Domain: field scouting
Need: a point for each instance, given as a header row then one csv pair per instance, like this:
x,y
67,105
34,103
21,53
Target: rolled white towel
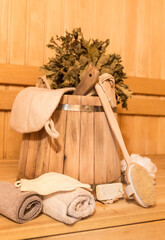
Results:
x,y
69,207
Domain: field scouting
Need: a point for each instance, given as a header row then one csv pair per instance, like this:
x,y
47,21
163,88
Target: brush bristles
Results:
x,y
143,184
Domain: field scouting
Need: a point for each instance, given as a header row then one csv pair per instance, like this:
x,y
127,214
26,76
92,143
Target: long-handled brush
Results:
x,y
140,184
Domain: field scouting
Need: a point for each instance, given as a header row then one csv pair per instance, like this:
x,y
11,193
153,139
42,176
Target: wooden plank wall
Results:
x,y
136,29
142,124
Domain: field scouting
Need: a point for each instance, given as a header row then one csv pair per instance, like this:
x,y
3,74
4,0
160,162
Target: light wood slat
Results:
x,y
146,86
2,129
161,135
7,99
19,75
127,127
12,150
17,39
144,106
13,139
140,26
115,20
53,16
86,13
36,38
4,6
139,137
28,75
144,231
87,143
144,38
72,140
23,156
130,36
163,46
43,153
31,155
156,38
136,105
56,162
2,118
152,135
101,147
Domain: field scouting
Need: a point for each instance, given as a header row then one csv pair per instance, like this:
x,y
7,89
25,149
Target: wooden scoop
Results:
x,y
88,81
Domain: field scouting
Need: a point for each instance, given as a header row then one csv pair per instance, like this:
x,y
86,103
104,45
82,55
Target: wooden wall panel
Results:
x,y
130,35
4,6
115,27
161,136
144,36
54,23
71,14
156,38
2,133
136,30
87,17
17,31
36,32
163,45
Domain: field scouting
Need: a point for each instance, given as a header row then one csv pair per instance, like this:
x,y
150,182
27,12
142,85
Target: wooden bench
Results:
x,y
121,220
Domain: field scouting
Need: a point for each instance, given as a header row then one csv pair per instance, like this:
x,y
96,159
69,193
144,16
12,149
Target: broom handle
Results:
x,y
112,121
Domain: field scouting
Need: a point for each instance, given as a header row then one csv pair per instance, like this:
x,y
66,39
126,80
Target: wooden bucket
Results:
x,y
85,150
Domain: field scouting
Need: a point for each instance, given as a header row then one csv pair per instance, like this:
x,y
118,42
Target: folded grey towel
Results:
x,y
69,207
19,206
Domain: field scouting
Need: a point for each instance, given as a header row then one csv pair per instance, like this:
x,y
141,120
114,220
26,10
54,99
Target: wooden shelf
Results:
x,y
121,220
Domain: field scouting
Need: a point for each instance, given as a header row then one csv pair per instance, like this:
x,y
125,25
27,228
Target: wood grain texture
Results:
x,y
31,155
23,156
119,219
146,86
87,144
138,104
142,105
140,134
127,129
17,40
156,38
135,28
130,40
101,133
144,35
42,158
72,140
28,75
148,101
36,32
4,6
11,74
57,151
144,231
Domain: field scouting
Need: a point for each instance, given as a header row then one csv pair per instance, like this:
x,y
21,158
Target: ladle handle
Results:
x,y
112,121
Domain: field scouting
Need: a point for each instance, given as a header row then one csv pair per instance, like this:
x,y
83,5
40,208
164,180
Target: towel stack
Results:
x,y
56,195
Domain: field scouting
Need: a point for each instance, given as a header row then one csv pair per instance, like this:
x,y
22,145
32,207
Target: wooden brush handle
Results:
x,y
112,121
